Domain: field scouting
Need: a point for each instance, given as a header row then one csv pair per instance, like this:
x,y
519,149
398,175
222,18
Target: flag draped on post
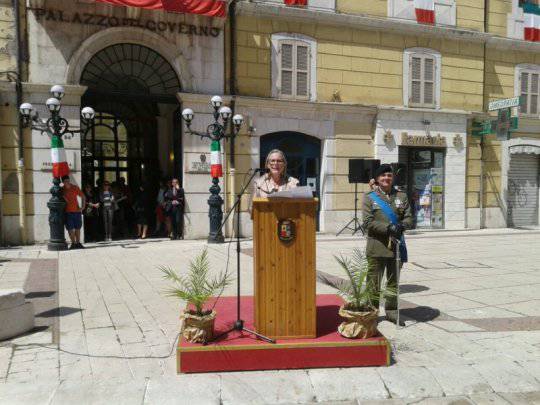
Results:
x,y
211,8
58,156
425,11
216,169
532,22
296,2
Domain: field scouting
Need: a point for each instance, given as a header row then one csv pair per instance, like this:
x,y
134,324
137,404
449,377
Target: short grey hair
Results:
x,y
273,151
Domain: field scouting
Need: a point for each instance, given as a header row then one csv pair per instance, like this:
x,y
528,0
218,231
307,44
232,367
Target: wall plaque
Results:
x,y
198,164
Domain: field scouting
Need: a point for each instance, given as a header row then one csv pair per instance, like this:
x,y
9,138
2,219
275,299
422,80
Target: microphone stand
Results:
x,y
239,323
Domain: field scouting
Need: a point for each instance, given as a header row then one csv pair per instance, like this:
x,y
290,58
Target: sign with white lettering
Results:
x,y
420,140
505,103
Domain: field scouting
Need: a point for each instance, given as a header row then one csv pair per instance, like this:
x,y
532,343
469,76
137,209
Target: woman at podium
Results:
x,y
276,178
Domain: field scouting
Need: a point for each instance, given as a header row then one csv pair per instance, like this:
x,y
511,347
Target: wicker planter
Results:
x,y
358,324
198,329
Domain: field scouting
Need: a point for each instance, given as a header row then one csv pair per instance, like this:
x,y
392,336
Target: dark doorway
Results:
x,y
303,154
127,84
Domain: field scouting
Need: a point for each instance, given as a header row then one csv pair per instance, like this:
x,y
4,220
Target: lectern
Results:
x,y
284,265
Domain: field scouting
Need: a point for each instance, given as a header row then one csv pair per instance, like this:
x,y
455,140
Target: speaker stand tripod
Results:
x,y
354,224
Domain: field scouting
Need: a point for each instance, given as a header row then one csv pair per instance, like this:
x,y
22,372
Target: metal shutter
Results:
x,y
523,190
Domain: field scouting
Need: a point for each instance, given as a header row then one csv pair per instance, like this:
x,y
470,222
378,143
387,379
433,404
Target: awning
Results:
x,y
211,8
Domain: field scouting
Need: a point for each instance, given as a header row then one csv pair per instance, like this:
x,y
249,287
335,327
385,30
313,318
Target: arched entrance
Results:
x,y
303,155
132,88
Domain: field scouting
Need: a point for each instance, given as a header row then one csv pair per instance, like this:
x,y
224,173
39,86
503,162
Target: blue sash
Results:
x,y
392,217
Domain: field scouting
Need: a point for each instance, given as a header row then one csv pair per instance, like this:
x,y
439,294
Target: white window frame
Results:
x,y
279,38
422,52
526,68
408,10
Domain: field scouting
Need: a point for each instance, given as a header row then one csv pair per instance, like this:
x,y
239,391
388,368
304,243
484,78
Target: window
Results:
x,y
528,87
293,67
421,78
445,11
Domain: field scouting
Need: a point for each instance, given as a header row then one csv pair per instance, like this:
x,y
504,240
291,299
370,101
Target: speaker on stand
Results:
x,y
360,171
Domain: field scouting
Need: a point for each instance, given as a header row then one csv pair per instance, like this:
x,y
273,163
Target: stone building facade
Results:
x,y
333,81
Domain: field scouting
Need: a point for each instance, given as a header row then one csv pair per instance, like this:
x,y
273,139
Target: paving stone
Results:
x,y
460,380
267,387
506,376
458,400
26,393
347,383
525,398
488,399
183,390
410,382
100,392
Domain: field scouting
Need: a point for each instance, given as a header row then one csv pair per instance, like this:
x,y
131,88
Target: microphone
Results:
x,y
262,170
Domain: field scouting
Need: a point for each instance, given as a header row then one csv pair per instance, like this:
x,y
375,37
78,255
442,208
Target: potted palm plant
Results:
x,y
196,288
360,294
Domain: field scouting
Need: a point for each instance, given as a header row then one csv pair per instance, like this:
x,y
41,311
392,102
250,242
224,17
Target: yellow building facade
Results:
x,y
363,57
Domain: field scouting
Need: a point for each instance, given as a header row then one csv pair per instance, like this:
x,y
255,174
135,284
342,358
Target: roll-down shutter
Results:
x,y
523,190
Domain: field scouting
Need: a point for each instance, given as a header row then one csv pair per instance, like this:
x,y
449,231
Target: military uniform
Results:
x,y
380,251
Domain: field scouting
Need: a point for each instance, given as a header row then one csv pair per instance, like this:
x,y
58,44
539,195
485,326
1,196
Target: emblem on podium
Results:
x,y
286,230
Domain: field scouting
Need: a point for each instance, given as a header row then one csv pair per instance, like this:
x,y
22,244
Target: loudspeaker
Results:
x,y
362,170
400,174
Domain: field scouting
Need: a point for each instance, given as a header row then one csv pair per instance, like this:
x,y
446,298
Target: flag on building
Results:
x,y
531,12
210,8
296,2
58,156
425,11
216,169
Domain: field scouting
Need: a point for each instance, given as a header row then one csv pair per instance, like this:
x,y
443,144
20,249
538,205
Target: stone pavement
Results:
x,y
471,301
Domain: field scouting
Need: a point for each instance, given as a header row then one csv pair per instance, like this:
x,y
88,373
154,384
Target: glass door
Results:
x,y
426,186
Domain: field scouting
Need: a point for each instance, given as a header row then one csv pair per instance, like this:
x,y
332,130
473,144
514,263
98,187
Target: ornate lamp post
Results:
x,y
56,128
215,132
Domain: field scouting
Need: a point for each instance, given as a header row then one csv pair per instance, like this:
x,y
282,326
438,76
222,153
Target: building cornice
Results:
x,y
510,44
358,21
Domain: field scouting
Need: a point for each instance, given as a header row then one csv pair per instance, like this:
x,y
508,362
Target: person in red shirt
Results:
x,y
73,211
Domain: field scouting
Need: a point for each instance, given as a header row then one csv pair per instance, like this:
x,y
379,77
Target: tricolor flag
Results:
x,y
210,8
425,11
532,26
216,169
296,2
58,156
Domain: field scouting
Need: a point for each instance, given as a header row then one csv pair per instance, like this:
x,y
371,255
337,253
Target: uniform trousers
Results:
x,y
377,267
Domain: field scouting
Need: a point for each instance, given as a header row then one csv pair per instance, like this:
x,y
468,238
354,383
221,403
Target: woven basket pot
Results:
x,y
358,324
198,329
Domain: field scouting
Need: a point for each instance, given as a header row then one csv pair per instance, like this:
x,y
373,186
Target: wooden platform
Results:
x,y
243,352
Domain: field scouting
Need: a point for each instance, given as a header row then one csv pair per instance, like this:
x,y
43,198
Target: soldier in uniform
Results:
x,y
380,250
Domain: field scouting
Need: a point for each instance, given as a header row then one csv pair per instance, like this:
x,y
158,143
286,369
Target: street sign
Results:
x,y
506,103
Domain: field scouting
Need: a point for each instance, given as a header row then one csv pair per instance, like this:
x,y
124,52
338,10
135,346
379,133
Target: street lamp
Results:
x,y
215,132
56,128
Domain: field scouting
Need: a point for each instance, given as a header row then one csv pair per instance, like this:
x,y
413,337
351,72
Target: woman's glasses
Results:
x,y
274,161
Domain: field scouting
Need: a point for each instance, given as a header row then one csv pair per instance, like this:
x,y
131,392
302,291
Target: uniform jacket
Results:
x,y
376,223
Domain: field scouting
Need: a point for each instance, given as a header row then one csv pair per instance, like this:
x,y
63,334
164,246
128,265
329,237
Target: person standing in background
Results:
x,y
73,211
91,214
174,203
108,205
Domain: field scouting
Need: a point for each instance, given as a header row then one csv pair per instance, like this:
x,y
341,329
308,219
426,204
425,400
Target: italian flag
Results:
x,y
532,27
216,169
296,2
58,156
425,11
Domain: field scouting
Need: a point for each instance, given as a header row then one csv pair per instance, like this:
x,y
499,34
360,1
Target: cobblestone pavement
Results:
x,y
471,301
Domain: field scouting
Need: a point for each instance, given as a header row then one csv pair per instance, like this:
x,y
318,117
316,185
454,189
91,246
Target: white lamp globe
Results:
x,y
216,101
53,104
188,115
88,113
26,109
225,113
238,120
58,91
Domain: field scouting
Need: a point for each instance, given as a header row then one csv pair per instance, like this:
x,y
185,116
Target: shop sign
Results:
x,y
198,164
420,140
106,21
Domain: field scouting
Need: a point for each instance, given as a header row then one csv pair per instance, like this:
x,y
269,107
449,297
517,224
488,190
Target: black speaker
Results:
x,y
361,170
400,174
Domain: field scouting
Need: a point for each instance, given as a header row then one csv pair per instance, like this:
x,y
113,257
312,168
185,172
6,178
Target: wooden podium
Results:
x,y
284,269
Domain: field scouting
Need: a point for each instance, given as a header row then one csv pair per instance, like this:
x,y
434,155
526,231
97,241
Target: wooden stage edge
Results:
x,y
243,352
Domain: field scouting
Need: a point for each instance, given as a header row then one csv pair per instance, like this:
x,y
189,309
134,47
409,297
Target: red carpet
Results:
x,y
240,351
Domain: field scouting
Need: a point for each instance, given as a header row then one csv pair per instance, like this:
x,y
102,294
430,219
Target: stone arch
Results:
x,y
117,35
